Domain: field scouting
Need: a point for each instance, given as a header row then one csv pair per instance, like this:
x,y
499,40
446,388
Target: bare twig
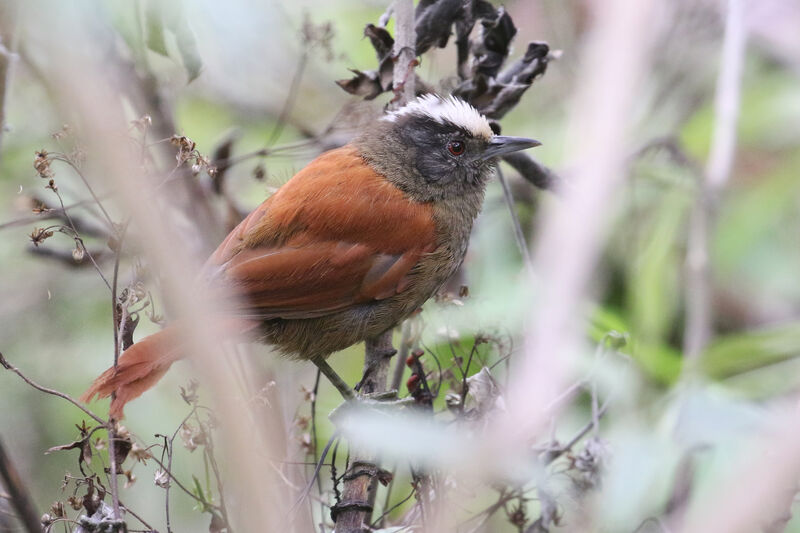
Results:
x,y
533,171
78,239
315,476
314,448
112,469
51,214
118,322
552,455
291,97
717,173
19,496
8,366
7,56
85,181
519,236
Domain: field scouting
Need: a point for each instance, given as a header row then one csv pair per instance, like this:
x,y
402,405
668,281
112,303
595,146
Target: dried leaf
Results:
x,y
39,235
189,393
220,156
83,445
75,502
365,84
385,477
493,48
381,41
532,65
434,21
122,447
483,394
217,524
140,454
57,510
130,478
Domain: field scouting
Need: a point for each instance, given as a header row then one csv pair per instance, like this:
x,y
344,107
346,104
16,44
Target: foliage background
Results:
x,y
55,322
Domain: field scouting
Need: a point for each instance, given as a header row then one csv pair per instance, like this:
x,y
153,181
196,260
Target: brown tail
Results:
x,y
138,369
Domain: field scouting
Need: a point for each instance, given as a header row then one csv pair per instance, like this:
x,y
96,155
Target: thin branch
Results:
x,y
8,27
699,317
291,97
78,238
50,214
177,481
552,455
400,363
533,171
388,511
114,287
519,236
8,366
96,198
117,326
316,475
137,517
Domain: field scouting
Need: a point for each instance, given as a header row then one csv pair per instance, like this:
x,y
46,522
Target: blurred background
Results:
x,y
683,413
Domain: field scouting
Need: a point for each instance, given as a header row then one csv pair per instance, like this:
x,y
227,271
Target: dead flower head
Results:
x,y
39,235
185,146
42,164
161,479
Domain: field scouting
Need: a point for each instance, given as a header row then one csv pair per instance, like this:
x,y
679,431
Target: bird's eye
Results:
x,y
456,147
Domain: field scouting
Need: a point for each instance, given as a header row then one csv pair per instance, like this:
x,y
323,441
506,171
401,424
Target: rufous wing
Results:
x,y
337,234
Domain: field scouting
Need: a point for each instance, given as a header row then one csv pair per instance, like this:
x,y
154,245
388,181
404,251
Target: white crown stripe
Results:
x,y
450,109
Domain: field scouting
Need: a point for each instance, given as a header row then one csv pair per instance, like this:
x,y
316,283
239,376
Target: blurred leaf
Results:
x,y
741,352
753,213
659,361
170,17
154,28
603,320
187,46
768,114
655,270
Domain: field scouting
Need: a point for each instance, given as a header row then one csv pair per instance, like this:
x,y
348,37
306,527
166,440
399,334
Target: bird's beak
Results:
x,y
501,144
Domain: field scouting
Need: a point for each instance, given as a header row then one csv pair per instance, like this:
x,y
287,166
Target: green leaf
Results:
x,y
154,28
655,270
742,352
201,495
659,361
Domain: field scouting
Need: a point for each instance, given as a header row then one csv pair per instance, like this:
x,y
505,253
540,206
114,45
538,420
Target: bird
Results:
x,y
348,247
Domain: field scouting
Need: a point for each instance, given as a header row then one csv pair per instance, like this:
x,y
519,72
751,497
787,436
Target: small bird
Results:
x,y
351,245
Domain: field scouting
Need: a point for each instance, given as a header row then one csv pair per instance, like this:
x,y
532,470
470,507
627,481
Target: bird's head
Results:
x,y
436,147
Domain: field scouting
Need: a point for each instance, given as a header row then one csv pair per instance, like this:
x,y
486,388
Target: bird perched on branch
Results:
x,y
352,244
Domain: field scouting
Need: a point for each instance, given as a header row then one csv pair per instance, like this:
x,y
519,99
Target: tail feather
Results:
x,y
142,365
139,368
